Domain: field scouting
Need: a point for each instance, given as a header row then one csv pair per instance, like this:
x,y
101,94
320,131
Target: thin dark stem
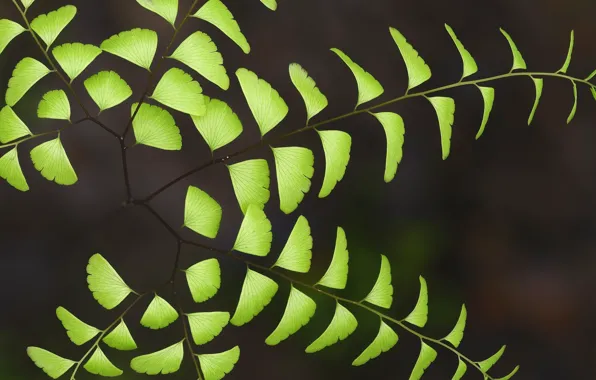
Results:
x,y
123,149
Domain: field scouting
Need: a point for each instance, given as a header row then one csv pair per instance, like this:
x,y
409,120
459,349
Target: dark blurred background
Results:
x,y
506,224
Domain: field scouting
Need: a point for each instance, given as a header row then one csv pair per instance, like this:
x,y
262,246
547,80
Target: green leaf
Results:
x,y
368,87
179,91
425,359
27,3
592,75
593,91
8,31
314,99
78,331
487,364
51,161
159,314
204,279
10,170
382,292
569,53
337,145
217,14
294,169
53,365
419,316
164,361
271,4
202,214
257,292
216,366
470,66
54,105
336,275
297,252
418,70
254,236
99,364
155,127
511,374
342,325
26,74
457,334
200,54
106,284
137,46
11,126
250,180
75,58
394,128
538,84
574,109
265,103
299,310
168,9
460,371
445,109
49,26
383,342
488,96
518,60
204,327
107,89
120,338
218,125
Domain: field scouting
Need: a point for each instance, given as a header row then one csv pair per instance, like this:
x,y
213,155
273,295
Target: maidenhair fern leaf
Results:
x,y
342,325
49,26
168,9
120,338
425,359
297,252
488,96
314,99
10,170
368,87
54,105
51,161
155,127
159,314
75,58
445,109
271,4
179,91
418,70
511,374
204,327
78,331
538,84
250,180
215,12
254,236
8,31
163,362
394,128
336,275
518,60
257,292
106,284
216,366
457,334
26,74
99,364
569,54
574,108
204,279
137,46
202,214
218,125
53,365
487,364
294,169
337,146
385,340
107,89
460,371
470,66
11,126
419,316
299,310
382,292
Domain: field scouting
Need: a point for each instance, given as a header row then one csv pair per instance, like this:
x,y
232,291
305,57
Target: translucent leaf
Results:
x,y
137,46
107,89
11,126
368,87
204,279
510,374
200,54
384,341
460,371
538,84
106,284
393,124
26,73
202,214
216,366
569,54
99,364
488,96
314,99
470,66
336,275
10,170
342,325
179,91
75,58
297,252
216,13
254,236
50,25
164,361
120,338
574,108
592,75
78,331
257,292
206,326
299,310
487,364
445,109
53,365
250,180
54,105
457,334
425,359
51,161
382,291
155,127
27,3
267,107
419,316
418,70
218,125
168,9
294,169
159,314
337,145
518,60
8,31
271,4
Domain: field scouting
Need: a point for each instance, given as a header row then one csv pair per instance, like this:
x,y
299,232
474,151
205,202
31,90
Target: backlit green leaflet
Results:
x,y
26,74
11,126
168,9
137,46
75,58
204,279
216,13
49,26
51,161
9,30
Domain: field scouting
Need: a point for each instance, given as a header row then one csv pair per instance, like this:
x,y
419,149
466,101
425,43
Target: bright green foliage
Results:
x,y
10,170
342,325
593,91
204,327
106,284
425,359
153,126
337,145
199,53
99,364
299,310
107,89
460,371
250,180
384,341
419,316
218,124
569,54
216,13
204,279
257,292
11,126
120,338
179,91
271,4
457,334
511,374
267,107
518,60
382,291
297,252
254,236
294,168
336,275
538,84
49,26
202,214
75,58
487,364
314,99
488,96
27,3
368,87
394,128
8,31
470,66
164,361
592,75
53,365
159,314
26,73
54,105
445,109
574,108
137,46
168,9
418,70
216,366
51,161
78,331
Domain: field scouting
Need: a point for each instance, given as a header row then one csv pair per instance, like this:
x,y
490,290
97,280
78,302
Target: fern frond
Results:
x,y
49,26
9,30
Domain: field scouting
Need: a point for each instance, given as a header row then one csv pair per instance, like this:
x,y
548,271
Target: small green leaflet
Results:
x,y
394,128
8,31
99,364
593,91
164,361
419,316
78,331
336,275
487,364
107,89
216,13
511,374
10,170
204,279
457,334
26,74
383,342
179,91
336,145
488,96
574,109
342,325
199,53
518,60
53,365
54,105
155,127
120,338
368,87
218,125
418,70
11,126
75,58
445,109
569,54
425,359
271,4
137,46
250,180
254,236
297,252
106,284
382,292
202,214
299,310
592,75
538,84
204,327
257,292
460,371
314,99
168,9
50,25
294,169
470,66
27,3
216,366
159,314
51,161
